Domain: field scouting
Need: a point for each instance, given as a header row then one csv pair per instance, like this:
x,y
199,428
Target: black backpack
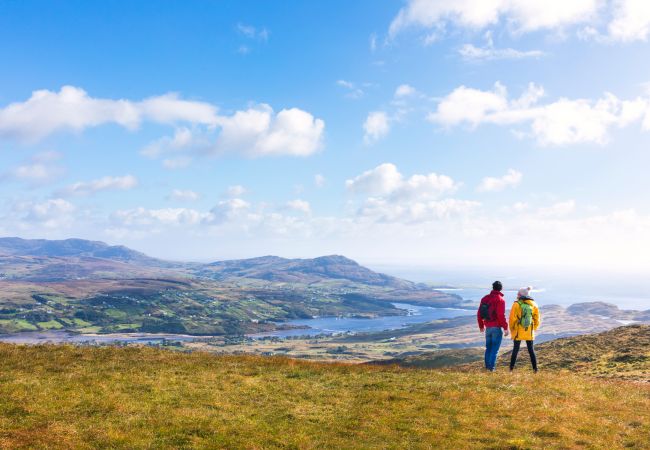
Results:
x,y
486,311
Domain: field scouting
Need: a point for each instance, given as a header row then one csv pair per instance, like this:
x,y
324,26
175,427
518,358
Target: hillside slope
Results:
x,y
622,352
273,268
14,246
131,398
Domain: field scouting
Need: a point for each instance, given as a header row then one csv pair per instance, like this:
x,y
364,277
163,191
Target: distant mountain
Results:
x,y
608,310
276,269
14,246
90,286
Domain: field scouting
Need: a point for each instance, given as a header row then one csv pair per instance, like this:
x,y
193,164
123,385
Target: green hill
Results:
x,y
622,352
63,397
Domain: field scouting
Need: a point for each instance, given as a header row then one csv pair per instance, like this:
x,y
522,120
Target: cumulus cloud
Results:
x,y
72,109
384,210
227,210
38,170
494,184
236,190
392,197
183,138
376,126
631,21
180,162
258,131
299,205
164,216
319,180
520,15
627,20
106,183
564,121
49,214
181,195
559,209
404,90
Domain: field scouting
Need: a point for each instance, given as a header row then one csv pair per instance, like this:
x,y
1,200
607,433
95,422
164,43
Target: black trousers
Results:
x,y
531,352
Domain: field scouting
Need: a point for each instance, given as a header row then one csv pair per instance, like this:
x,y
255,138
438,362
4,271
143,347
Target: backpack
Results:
x,y
486,311
526,318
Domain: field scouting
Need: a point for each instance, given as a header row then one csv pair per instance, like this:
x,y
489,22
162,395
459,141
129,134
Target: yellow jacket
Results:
x,y
517,331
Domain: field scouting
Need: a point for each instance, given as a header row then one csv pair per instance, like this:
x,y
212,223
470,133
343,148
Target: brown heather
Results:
x,y
130,398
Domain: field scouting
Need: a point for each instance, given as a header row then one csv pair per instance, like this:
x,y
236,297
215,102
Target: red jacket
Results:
x,y
495,298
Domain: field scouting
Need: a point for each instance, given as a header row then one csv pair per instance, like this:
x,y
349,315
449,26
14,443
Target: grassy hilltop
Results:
x,y
623,352
135,397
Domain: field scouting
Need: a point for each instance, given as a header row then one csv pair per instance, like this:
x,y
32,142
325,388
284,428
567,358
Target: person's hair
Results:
x,y
497,286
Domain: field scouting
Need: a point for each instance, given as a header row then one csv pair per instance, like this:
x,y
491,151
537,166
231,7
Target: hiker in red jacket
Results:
x,y
491,316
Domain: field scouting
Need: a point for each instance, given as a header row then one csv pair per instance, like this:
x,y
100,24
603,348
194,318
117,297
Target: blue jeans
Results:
x,y
493,337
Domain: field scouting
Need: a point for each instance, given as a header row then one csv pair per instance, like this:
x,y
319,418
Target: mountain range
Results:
x,y
90,286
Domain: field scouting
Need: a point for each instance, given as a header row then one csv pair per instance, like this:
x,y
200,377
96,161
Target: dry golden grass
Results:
x,y
131,398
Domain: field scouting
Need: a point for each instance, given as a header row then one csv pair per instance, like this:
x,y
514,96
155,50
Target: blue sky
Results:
x,y
405,132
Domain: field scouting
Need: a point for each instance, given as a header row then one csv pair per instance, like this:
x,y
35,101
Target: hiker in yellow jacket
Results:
x,y
524,321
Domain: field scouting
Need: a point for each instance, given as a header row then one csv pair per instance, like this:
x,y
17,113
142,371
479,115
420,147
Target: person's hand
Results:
x,y
506,333
482,330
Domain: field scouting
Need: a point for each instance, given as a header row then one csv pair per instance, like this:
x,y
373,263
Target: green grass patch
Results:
x,y
16,325
50,325
138,397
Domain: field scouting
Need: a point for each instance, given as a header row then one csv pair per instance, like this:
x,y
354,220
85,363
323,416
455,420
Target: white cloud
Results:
x,y
252,32
319,180
227,210
470,52
164,216
52,213
559,209
404,90
627,20
71,109
372,40
299,205
394,198
353,91
40,169
494,184
385,210
183,139
106,183
631,21
521,15
562,122
236,190
386,180
177,163
376,126
181,195
259,132
381,180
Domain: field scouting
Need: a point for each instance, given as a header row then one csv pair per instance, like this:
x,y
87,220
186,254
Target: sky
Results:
x,y
418,132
